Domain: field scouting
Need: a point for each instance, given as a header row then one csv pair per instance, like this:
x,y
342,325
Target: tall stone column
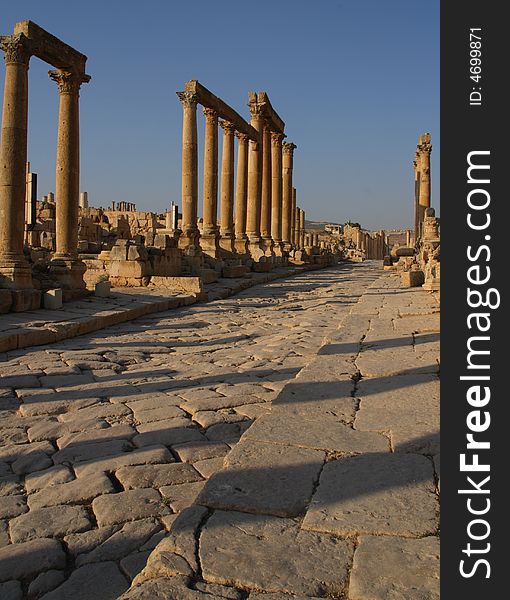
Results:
x,y
276,191
210,237
424,149
255,153
293,219
266,200
189,238
15,272
241,239
297,234
416,170
288,160
227,188
65,265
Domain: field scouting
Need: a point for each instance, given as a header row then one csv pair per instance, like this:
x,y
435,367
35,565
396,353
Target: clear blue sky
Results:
x,y
356,82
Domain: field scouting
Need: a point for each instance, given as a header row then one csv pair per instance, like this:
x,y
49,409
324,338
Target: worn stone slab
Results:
x,y
84,452
146,476
45,582
47,477
209,466
82,543
128,506
181,496
264,478
81,491
174,587
121,543
396,568
326,434
194,451
49,522
134,563
19,561
272,554
12,506
168,434
407,406
116,432
11,590
379,494
98,581
145,456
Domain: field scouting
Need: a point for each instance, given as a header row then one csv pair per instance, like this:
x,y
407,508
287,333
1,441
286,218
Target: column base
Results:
x,y
255,248
68,272
210,244
189,239
15,272
267,245
227,243
241,245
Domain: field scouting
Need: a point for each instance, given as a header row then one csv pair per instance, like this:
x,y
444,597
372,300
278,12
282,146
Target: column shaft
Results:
x,y
293,218
14,270
227,188
241,193
255,153
190,236
265,210
276,188
287,165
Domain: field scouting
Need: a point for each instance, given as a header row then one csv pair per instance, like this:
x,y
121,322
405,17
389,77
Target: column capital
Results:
x,y
288,148
188,99
68,82
16,49
242,137
210,115
227,126
425,147
277,138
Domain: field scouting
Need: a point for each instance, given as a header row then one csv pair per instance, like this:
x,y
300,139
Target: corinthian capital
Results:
x,y
16,49
211,116
227,126
276,138
68,82
425,147
242,137
188,99
288,148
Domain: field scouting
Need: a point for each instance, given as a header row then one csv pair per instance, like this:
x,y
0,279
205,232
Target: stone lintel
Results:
x,y
209,100
49,48
272,117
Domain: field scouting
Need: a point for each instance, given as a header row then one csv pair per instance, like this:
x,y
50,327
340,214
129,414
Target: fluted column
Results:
x,y
189,238
65,264
297,228
227,188
255,185
15,272
293,219
265,210
210,241
287,166
276,191
302,228
241,239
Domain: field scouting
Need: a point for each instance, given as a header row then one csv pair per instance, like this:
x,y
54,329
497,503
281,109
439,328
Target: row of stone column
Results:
x,y
421,166
15,272
260,215
123,206
374,247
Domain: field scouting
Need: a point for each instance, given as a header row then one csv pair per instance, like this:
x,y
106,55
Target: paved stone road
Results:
x,y
106,438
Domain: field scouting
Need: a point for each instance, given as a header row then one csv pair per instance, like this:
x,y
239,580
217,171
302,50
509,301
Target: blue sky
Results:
x,y
356,82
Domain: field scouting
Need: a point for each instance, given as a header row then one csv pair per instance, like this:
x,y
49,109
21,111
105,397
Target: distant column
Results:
x,y
84,200
227,188
15,273
241,239
255,184
189,239
288,157
265,209
210,240
424,149
276,190
293,218
302,227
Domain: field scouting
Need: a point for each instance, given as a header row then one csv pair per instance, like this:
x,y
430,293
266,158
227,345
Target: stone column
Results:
x,y
302,227
241,239
288,159
293,219
227,188
65,265
189,239
424,149
255,152
266,200
15,272
297,228
84,200
210,237
276,191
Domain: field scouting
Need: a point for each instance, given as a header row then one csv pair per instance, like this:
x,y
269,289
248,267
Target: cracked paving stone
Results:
x,y
128,506
252,552
181,496
78,491
146,476
20,561
55,521
380,494
410,572
174,587
264,478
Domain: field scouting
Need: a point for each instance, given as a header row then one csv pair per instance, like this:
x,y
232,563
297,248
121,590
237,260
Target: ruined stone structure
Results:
x,y
421,165
27,40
